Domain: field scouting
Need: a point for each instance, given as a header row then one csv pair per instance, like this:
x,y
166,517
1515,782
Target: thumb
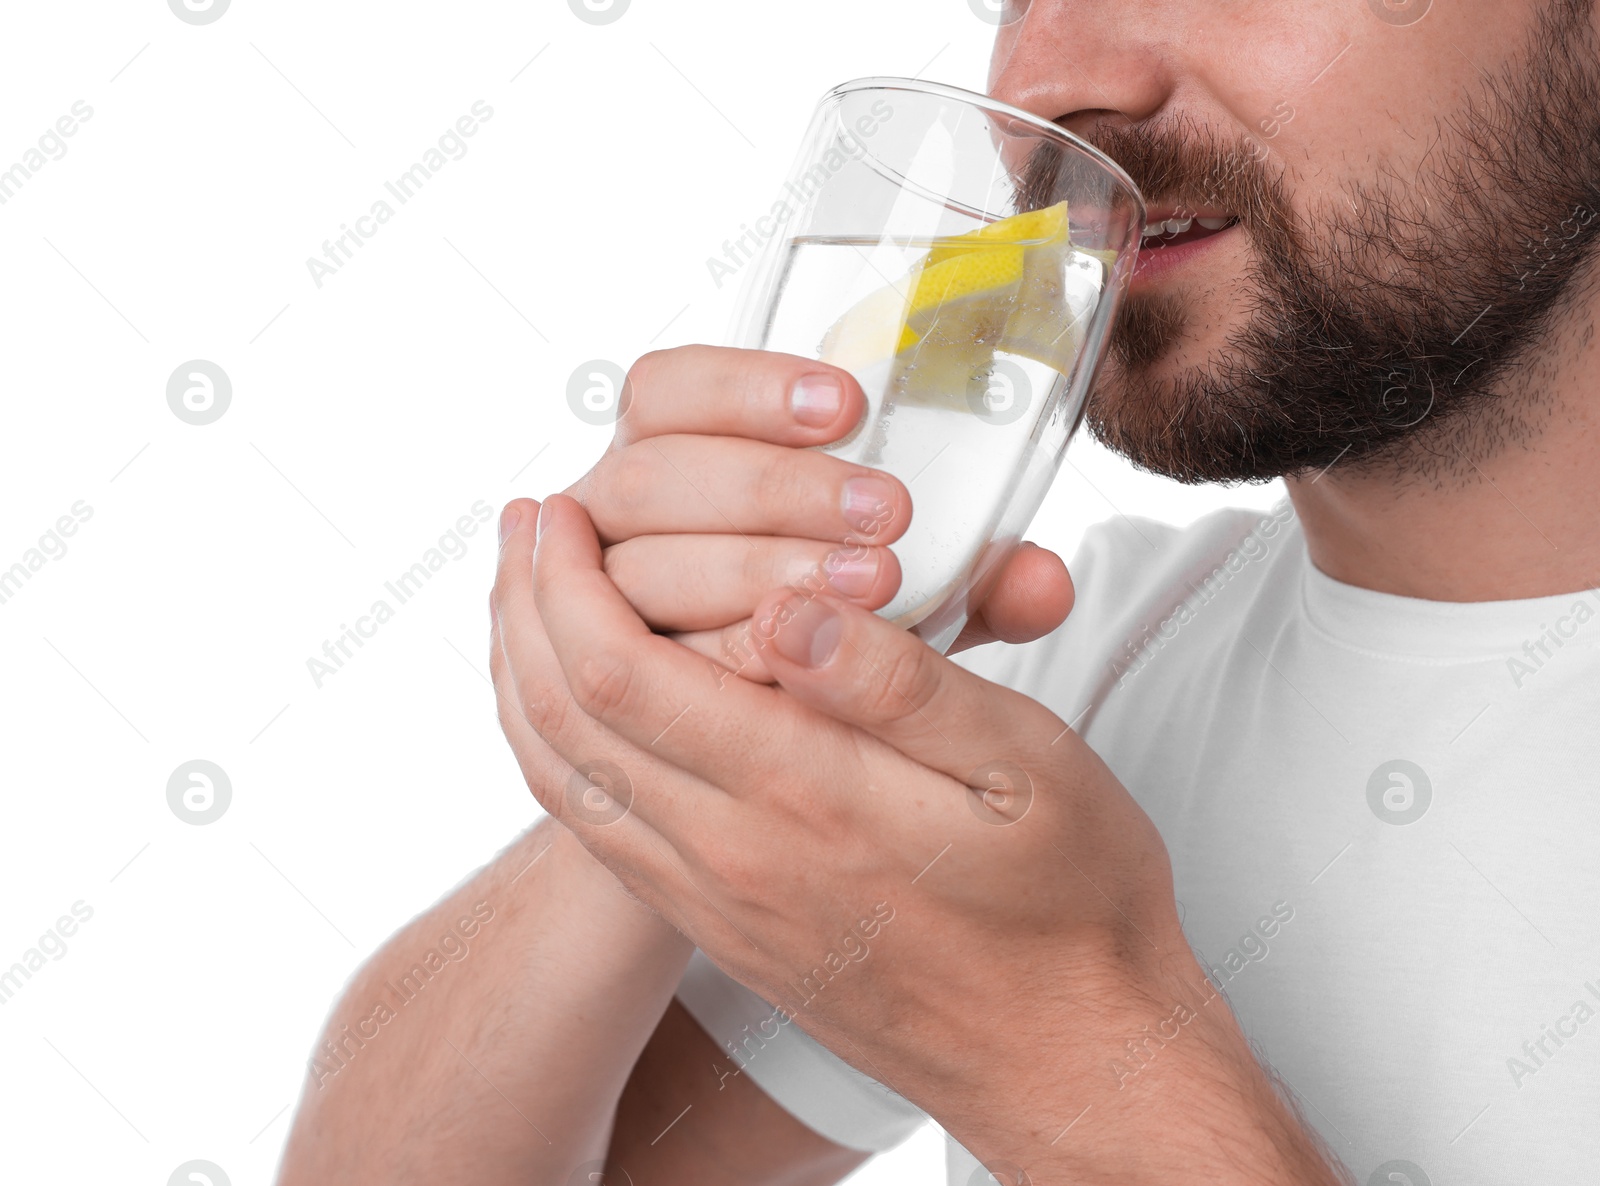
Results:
x,y
861,669
1030,596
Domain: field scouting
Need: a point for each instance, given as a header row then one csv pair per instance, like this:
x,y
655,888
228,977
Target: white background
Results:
x,y
367,416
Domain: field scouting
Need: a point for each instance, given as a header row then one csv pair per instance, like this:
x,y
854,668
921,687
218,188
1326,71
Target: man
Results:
x,y
1356,943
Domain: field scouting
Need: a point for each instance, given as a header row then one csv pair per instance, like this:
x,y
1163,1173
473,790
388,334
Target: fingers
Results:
x,y
662,698
541,767
732,647
758,394
861,669
1031,596
702,582
595,783
723,485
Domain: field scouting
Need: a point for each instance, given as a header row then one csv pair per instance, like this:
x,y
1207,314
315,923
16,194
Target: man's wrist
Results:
x,y
578,880
1145,1079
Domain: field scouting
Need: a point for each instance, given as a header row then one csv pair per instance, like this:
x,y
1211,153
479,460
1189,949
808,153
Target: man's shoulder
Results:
x,y
1130,575
1152,555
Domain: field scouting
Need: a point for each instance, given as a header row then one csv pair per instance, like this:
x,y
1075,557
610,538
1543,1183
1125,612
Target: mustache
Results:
x,y
1176,162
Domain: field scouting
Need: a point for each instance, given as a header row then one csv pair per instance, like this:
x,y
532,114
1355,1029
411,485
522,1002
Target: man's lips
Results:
x,y
1182,236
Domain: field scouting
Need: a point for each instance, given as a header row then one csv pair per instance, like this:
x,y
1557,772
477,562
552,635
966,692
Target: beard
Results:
x,y
1389,331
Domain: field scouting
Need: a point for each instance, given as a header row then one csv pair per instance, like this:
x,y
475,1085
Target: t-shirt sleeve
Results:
x,y
819,1089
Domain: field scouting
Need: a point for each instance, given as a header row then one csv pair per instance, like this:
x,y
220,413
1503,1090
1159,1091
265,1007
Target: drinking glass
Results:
x,y
963,259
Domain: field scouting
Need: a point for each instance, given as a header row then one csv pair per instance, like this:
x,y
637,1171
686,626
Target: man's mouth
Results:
x,y
1173,238
1169,228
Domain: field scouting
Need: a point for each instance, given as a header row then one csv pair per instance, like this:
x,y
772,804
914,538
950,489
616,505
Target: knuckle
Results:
x,y
605,684
645,368
547,714
903,685
543,713
741,873
768,566
501,589
620,482
652,369
787,480
633,402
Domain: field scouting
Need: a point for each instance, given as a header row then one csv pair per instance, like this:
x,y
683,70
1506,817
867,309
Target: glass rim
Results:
x,y
974,99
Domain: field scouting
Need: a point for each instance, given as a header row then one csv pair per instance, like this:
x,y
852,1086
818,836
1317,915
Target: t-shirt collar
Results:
x,y
1396,625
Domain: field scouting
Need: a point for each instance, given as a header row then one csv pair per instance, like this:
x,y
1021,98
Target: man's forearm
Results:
x,y
489,1044
1137,1090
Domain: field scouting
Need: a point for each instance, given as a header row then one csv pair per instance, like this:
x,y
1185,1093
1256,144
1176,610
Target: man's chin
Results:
x,y
1179,393
1149,334
1166,415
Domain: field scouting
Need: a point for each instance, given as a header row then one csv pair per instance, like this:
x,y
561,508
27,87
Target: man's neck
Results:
x,y
1521,520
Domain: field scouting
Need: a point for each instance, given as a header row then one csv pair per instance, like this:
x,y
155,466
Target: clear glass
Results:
x,y
976,339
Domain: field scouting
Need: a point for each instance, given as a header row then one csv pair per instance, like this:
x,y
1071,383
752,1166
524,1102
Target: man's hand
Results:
x,y
710,496
928,872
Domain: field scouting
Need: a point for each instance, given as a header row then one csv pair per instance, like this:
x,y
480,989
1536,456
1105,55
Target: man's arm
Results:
x,y
1030,955
508,1064
732,1133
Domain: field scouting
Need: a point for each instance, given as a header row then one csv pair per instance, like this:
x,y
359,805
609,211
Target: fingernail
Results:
x,y
509,518
865,500
850,576
811,634
538,524
816,399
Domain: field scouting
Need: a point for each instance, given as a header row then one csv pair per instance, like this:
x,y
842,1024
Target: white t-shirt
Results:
x,y
1384,822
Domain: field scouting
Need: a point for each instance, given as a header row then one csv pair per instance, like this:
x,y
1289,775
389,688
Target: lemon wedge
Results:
x,y
963,297
947,292
1000,287
1048,225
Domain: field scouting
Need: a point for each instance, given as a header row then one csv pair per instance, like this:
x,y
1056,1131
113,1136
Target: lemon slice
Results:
x,y
964,297
1048,225
873,329
948,297
954,308
1017,286
956,317
1050,315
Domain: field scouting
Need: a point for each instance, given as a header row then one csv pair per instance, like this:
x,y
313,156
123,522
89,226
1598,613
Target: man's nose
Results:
x,y
1088,63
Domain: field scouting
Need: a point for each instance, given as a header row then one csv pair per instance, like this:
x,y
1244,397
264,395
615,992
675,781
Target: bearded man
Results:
x,y
1294,876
